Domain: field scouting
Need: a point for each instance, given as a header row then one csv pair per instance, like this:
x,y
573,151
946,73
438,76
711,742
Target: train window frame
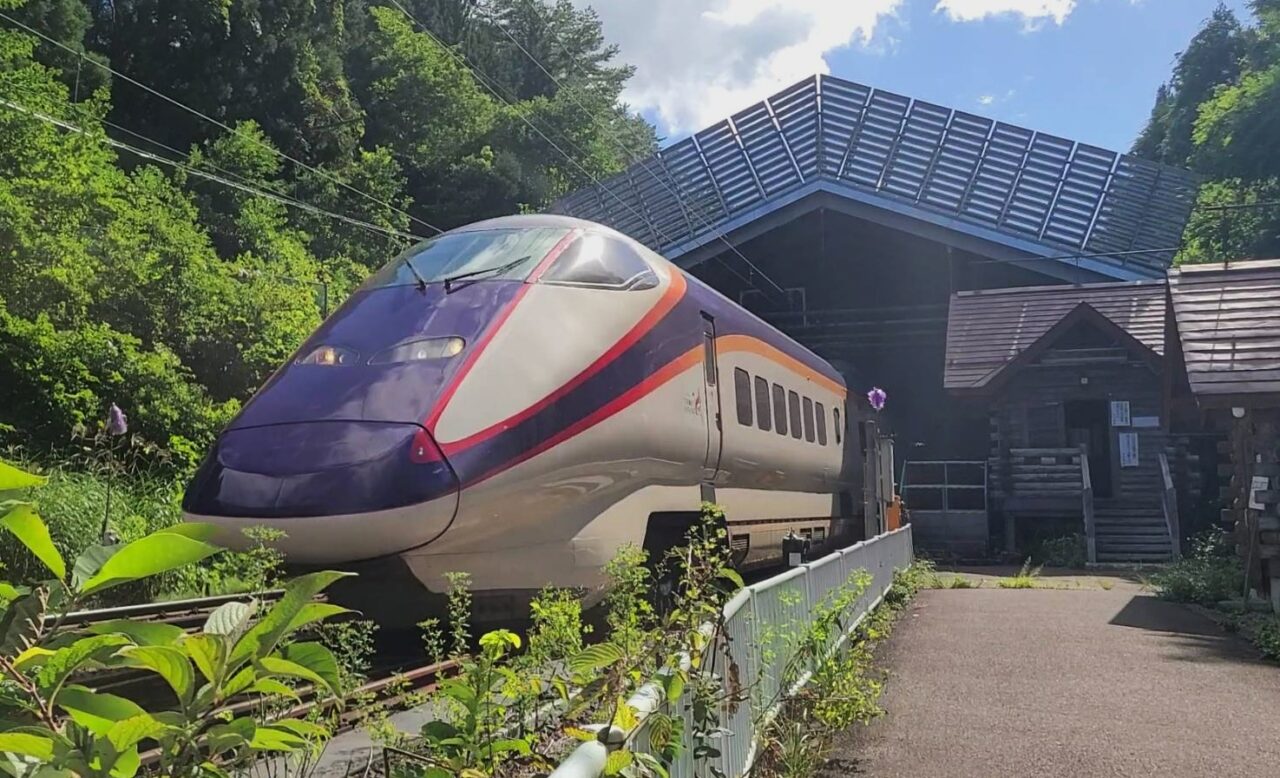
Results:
x,y
835,424
609,255
793,412
779,395
742,396
820,422
808,419
764,418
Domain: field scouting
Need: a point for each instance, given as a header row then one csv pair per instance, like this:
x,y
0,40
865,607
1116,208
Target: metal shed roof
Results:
x,y
988,330
984,185
1228,320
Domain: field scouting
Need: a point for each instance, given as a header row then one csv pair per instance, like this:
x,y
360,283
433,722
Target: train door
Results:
x,y
710,373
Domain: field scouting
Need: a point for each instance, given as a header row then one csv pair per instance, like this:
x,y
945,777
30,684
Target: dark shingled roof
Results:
x,y
986,330
1228,319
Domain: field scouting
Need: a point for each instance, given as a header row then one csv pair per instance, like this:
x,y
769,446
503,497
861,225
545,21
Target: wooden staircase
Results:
x,y
1131,531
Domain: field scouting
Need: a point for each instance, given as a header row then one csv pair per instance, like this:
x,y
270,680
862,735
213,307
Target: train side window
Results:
x,y
762,404
742,395
835,413
779,409
793,405
808,419
820,422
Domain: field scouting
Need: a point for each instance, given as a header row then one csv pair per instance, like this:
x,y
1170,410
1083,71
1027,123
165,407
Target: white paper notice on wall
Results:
x,y
1128,449
1146,422
1120,413
1259,483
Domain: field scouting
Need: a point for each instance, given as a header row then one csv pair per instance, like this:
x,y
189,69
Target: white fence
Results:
x,y
754,622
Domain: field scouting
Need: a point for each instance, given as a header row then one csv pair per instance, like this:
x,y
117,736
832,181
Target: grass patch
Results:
x,y
954,582
1027,578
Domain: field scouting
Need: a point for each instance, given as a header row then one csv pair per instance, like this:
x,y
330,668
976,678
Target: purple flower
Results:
x,y
117,422
877,398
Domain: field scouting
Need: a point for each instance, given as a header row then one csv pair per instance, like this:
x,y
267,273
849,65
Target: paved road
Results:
x,y
1081,682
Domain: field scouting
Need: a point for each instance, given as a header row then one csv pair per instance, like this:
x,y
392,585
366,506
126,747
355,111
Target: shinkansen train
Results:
x,y
518,398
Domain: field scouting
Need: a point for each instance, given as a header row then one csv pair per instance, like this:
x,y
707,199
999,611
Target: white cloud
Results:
x,y
986,99
698,61
1033,12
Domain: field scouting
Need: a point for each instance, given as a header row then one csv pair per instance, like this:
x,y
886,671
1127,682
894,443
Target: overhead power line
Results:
x,y
210,176
152,90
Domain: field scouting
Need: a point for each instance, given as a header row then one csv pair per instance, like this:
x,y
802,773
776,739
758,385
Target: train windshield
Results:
x,y
509,254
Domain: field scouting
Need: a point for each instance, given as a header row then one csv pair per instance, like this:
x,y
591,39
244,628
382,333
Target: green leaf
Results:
x,y
304,729
315,611
9,592
91,561
80,654
674,686
230,619
144,633
267,633
274,665
207,652
594,658
230,736
27,744
319,660
20,623
510,746
270,687
732,576
239,682
28,528
95,711
33,656
131,731
275,739
127,764
12,478
154,554
166,661
617,762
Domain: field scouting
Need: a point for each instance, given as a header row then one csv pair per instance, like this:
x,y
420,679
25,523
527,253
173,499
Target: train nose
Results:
x,y
317,469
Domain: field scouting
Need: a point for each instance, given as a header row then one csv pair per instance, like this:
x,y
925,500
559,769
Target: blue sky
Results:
x,y
1083,69
1093,78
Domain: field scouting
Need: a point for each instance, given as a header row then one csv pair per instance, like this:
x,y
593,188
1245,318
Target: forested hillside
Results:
x,y
1219,115
170,231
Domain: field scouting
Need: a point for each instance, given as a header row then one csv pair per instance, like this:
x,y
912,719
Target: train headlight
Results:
x,y
330,356
417,350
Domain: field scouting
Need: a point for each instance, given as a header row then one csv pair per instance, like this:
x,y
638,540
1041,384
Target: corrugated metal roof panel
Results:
x,y
987,330
1029,186
1228,318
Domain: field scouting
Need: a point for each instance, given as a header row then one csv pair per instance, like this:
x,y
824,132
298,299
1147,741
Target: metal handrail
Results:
x,y
1086,505
1169,504
792,594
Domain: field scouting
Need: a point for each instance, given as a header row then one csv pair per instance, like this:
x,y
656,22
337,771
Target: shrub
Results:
x,y
1067,551
1209,574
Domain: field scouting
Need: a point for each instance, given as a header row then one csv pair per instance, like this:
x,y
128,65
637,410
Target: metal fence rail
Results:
x,y
1029,190
754,623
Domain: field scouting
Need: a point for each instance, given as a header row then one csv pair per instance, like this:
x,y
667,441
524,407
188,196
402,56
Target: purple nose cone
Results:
x,y
318,469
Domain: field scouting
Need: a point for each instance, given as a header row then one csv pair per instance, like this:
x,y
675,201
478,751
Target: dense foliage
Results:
x,y
1219,115
126,279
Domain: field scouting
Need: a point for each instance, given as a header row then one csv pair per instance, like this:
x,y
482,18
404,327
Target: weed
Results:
x,y
433,639
954,582
1209,574
1106,584
628,611
459,609
557,631
1027,578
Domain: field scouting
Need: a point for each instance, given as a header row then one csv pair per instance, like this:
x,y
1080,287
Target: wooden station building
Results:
x,y
1224,376
863,222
